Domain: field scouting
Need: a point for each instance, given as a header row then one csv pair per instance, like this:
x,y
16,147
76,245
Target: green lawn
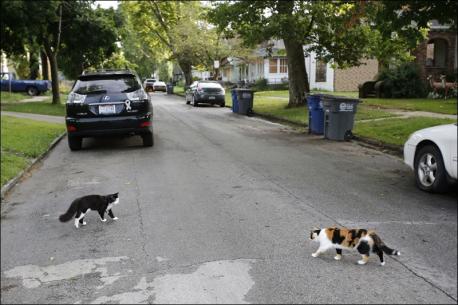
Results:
x,y
36,107
448,106
368,113
418,104
276,106
178,89
23,140
395,131
7,97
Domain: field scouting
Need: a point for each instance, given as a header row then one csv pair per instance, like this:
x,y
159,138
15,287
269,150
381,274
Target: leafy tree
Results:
x,y
40,22
172,30
117,61
397,27
88,40
138,48
59,26
328,28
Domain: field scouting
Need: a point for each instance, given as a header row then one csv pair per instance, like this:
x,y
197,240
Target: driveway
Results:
x,y
219,211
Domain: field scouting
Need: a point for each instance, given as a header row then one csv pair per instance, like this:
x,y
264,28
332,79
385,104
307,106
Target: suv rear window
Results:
x,y
106,84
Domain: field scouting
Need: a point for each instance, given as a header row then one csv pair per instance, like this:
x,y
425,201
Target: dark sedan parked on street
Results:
x,y
205,92
108,102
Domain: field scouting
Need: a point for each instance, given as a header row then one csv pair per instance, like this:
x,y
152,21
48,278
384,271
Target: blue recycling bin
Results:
x,y
316,114
235,101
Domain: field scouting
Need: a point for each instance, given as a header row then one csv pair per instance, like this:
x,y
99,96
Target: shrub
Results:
x,y
261,84
403,81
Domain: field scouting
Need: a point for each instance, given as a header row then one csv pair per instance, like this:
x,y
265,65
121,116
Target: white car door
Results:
x,y
453,156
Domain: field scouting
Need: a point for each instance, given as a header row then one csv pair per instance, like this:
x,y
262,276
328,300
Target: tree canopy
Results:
x,y
70,33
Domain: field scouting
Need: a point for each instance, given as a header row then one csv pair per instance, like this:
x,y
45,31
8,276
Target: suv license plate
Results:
x,y
211,97
107,109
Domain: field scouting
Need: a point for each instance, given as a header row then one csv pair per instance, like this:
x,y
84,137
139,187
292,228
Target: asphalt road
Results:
x,y
219,211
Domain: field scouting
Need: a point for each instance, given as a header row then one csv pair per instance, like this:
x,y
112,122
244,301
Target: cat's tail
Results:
x,y
381,245
69,214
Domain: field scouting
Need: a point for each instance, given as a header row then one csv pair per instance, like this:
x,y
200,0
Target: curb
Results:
x,y
389,148
10,184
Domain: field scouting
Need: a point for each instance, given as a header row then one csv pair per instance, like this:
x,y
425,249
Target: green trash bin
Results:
x,y
339,117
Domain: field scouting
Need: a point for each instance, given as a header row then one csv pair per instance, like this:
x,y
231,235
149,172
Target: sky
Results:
x,y
107,4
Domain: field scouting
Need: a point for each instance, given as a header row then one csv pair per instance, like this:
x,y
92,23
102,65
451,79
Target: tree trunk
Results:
x,y
54,75
297,75
34,66
44,65
186,68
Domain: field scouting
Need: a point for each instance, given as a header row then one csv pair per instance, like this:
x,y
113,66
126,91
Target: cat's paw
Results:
x,y
76,225
361,262
102,220
338,257
315,254
116,218
382,264
84,223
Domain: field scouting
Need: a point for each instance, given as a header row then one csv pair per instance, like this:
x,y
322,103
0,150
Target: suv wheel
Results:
x,y
194,103
430,172
75,143
148,140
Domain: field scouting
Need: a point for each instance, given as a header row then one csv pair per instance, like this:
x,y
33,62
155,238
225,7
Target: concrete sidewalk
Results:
x,y
36,117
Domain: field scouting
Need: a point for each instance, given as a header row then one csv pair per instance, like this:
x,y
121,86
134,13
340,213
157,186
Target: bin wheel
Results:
x,y
348,135
250,112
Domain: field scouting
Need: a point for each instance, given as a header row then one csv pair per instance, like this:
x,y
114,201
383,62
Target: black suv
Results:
x,y
108,102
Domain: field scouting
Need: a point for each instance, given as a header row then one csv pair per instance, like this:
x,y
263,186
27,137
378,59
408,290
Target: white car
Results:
x,y
148,84
159,86
431,153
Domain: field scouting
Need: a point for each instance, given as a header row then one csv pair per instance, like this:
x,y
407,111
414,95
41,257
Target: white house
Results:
x,y
274,68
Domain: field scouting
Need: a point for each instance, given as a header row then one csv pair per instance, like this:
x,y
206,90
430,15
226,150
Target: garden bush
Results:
x,y
403,81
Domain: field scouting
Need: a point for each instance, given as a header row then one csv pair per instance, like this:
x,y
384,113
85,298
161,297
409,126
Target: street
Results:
x,y
219,211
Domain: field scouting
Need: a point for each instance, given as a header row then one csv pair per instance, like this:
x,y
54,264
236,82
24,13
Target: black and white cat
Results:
x,y
82,205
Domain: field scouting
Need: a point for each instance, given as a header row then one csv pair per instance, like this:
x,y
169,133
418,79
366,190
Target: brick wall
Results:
x,y
420,55
349,79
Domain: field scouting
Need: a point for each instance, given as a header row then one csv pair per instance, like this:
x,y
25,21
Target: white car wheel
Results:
x,y
430,170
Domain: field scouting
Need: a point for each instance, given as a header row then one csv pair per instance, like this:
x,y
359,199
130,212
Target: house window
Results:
x,y
436,53
283,65
320,71
273,65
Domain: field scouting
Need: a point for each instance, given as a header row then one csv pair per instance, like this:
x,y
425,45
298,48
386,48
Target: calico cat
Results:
x,y
82,205
360,239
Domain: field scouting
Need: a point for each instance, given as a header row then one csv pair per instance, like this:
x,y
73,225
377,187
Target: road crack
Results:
x,y
139,213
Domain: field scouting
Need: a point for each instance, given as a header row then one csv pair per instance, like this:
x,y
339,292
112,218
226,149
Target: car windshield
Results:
x,y
107,84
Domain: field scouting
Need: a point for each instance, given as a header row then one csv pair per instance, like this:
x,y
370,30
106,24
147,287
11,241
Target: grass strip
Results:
x,y
448,106
22,141
396,131
13,97
11,165
28,137
35,107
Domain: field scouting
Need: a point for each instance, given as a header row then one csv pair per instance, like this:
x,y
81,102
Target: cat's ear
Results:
x,y
315,228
